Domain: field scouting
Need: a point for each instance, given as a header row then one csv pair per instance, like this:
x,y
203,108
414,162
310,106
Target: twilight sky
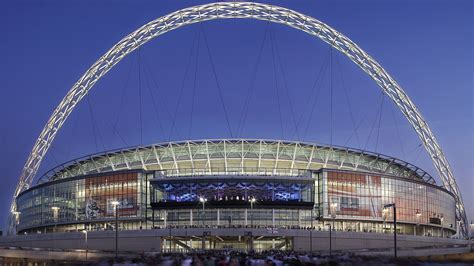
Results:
x,y
427,46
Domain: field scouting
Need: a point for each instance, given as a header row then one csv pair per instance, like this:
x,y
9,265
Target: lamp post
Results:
x,y
252,201
333,213
116,203
203,201
394,227
169,236
87,245
311,232
418,215
442,227
330,239
333,216
55,216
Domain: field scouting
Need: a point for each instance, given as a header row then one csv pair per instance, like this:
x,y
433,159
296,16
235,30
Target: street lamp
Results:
x,y
87,245
333,213
418,215
116,203
442,227
333,209
203,201
394,226
330,239
55,216
252,201
169,238
333,216
311,231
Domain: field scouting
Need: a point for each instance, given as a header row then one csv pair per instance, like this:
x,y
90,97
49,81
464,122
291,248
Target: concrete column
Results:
x,y
273,217
165,218
77,202
299,218
218,217
190,217
245,216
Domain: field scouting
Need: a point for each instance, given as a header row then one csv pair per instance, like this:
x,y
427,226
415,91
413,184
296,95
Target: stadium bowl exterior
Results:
x,y
241,184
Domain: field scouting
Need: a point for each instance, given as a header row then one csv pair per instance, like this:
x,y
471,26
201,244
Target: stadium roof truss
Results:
x,y
233,10
190,158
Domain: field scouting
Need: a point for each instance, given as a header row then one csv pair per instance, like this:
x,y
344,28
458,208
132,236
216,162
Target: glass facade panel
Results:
x,y
353,201
80,200
362,195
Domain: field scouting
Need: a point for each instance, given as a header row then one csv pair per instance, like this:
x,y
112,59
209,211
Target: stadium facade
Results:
x,y
238,184
239,193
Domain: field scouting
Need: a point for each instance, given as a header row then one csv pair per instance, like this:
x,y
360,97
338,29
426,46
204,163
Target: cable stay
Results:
x,y
54,150
351,113
375,120
316,98
378,127
52,159
147,76
140,96
163,102
276,86
285,83
414,149
331,98
363,119
419,152
73,135
216,79
315,90
122,101
94,127
398,134
194,85
188,63
250,90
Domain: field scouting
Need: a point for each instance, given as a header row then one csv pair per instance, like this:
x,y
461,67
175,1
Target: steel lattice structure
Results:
x,y
241,155
232,10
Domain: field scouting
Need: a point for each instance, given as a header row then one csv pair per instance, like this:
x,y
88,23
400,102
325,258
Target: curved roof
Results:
x,y
241,155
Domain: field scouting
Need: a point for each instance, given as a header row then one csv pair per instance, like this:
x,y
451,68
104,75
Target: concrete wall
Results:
x,y
356,241
150,240
137,241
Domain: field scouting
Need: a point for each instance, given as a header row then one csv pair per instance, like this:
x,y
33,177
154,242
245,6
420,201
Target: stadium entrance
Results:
x,y
244,243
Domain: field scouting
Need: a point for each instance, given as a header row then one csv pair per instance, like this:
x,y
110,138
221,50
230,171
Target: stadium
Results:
x,y
238,194
244,184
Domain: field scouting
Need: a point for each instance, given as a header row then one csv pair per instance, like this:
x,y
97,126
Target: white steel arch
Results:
x,y
229,10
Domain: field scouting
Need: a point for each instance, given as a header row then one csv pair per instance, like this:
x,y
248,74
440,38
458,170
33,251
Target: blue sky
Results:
x,y
427,46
